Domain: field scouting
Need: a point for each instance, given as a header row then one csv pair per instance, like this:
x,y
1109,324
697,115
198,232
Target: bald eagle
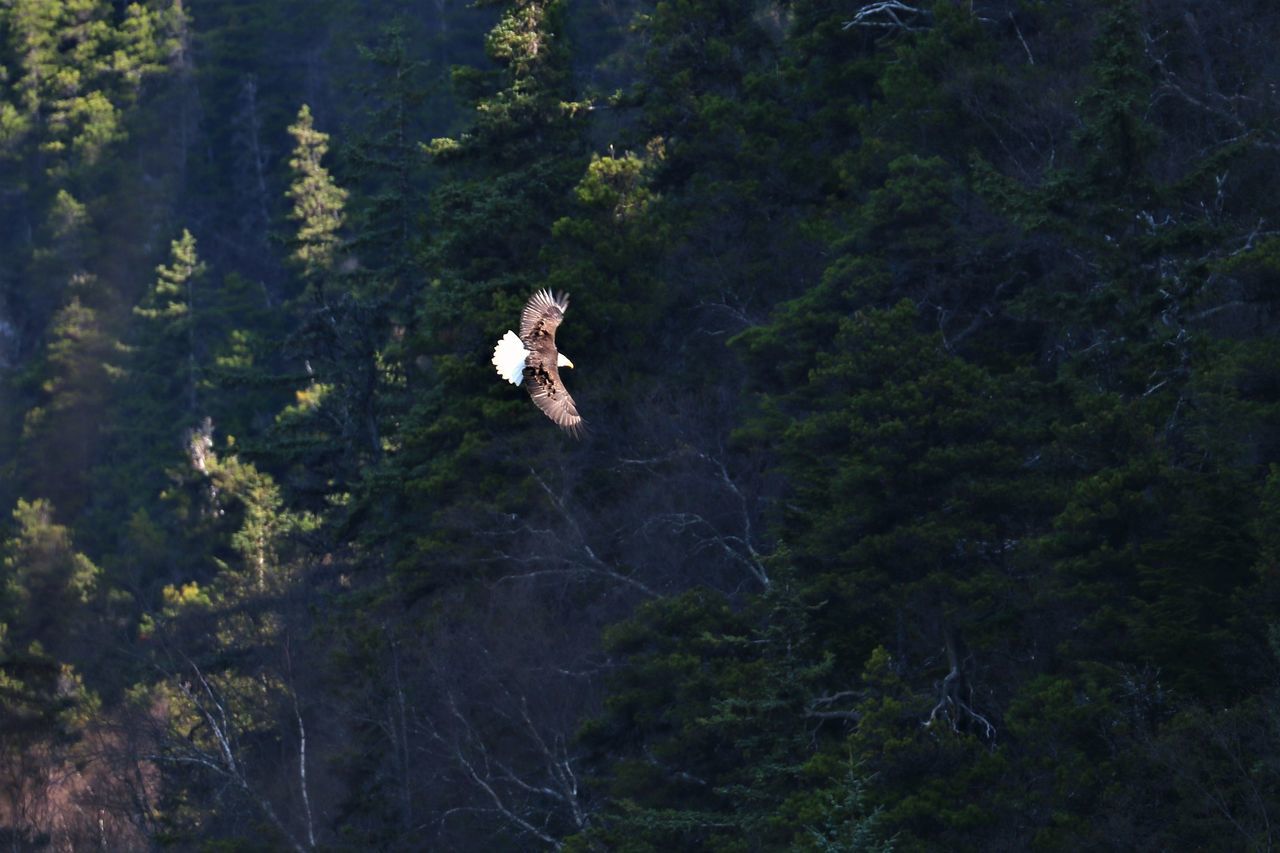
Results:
x,y
532,358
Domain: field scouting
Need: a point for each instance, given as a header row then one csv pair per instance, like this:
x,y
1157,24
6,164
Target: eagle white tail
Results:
x,y
508,358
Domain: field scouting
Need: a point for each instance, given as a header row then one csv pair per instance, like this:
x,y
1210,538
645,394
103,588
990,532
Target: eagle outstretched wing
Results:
x,y
541,317
548,393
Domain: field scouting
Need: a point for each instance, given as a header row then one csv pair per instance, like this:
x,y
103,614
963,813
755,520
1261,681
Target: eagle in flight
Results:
x,y
532,358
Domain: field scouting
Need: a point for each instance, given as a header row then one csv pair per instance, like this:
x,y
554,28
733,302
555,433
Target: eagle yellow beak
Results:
x,y
563,361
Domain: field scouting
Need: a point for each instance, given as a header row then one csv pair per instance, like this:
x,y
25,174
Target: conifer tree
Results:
x,y
47,617
158,377
335,425
170,309
504,183
47,582
318,205
61,434
386,162
713,736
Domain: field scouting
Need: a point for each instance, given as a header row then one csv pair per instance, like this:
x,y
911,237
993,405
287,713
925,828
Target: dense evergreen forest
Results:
x,y
930,357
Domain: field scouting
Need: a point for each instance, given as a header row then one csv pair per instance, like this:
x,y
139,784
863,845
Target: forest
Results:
x,y
929,353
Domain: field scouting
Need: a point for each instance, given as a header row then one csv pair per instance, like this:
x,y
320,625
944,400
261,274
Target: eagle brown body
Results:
x,y
539,361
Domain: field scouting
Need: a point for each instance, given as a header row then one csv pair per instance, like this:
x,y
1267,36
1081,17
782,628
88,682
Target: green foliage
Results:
x,y
386,164
47,582
503,184
522,107
169,308
932,490
706,735
60,433
46,617
318,203
76,67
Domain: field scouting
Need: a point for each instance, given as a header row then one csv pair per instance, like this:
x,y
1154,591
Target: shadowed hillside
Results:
x,y
928,355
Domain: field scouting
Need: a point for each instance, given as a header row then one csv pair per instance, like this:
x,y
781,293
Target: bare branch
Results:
x,y
302,748
593,560
888,13
819,707
738,548
1031,60
210,706
480,777
951,703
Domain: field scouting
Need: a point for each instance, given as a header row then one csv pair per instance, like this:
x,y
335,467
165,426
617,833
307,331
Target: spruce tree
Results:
x,y
318,206
504,183
170,310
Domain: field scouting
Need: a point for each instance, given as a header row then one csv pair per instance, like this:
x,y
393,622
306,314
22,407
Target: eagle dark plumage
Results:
x,y
532,358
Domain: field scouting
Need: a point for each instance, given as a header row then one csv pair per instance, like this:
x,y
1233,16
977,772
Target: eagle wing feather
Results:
x,y
541,317
548,393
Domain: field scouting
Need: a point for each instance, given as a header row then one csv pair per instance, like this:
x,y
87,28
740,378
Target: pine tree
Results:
x,y
335,425
158,377
385,161
171,311
47,617
505,182
713,738
62,433
48,584
318,206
